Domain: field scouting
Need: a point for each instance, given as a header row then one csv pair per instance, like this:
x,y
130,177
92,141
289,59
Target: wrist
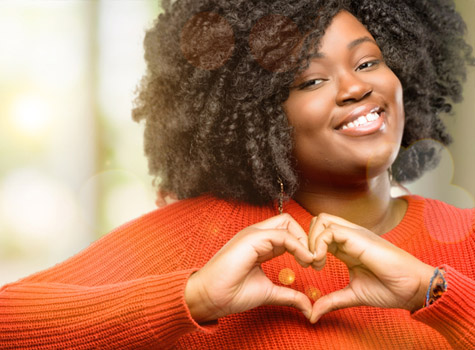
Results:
x,y
195,301
437,287
425,280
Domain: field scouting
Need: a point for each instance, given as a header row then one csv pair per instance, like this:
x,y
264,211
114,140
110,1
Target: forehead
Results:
x,y
345,29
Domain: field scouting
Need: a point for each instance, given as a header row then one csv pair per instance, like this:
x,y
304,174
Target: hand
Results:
x,y
381,274
233,281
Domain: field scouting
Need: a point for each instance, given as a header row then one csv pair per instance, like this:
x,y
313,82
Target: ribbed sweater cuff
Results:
x,y
453,315
175,319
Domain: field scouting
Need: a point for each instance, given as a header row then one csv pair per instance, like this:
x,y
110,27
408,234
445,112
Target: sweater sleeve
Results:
x,y
126,291
129,315
453,315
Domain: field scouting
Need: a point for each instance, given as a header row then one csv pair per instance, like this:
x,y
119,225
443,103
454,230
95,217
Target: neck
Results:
x,y
367,204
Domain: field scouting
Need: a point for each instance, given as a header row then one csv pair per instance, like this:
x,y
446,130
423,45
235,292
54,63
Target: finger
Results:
x,y
324,241
337,220
290,297
322,244
287,222
333,240
356,246
312,234
344,243
282,238
339,299
320,223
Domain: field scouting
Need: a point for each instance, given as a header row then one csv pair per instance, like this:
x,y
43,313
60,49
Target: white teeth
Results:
x,y
370,117
362,120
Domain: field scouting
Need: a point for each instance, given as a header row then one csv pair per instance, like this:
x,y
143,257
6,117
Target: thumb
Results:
x,y
339,299
290,297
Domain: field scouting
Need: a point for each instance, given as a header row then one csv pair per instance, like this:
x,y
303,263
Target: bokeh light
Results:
x,y
48,205
68,72
287,276
31,115
207,40
438,183
313,293
72,164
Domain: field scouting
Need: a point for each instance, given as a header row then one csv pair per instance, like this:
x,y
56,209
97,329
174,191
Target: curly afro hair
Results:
x,y
218,72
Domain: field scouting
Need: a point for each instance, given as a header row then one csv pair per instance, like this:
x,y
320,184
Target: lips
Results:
x,y
363,120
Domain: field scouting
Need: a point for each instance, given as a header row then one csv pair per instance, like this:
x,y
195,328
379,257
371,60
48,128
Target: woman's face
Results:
x,y
346,109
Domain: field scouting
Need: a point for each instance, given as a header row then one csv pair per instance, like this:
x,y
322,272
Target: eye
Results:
x,y
368,64
312,83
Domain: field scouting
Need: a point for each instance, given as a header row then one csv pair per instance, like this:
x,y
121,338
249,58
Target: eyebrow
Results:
x,y
359,41
351,45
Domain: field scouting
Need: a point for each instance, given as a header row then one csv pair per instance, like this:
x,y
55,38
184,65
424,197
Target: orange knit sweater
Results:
x,y
126,291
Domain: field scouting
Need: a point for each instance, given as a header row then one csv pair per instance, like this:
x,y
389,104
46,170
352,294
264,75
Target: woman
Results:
x,y
276,124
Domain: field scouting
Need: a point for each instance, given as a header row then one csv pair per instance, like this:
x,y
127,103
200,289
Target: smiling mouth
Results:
x,y
364,125
361,121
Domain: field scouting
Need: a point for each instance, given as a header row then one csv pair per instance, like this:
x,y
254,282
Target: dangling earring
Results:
x,y
390,173
281,196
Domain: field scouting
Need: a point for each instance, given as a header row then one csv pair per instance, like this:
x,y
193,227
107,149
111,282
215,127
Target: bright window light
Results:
x,y
31,115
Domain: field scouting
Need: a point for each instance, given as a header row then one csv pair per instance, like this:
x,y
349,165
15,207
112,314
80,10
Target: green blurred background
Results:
x,y
71,161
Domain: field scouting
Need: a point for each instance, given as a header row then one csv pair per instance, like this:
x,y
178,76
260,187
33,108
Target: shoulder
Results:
x,y
202,225
447,222
201,215
437,209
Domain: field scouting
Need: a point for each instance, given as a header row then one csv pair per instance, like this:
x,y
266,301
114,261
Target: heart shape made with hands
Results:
x,y
381,274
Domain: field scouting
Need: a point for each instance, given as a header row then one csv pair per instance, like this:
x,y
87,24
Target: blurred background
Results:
x,y
71,160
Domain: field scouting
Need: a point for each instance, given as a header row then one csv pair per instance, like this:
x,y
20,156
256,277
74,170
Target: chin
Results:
x,y
379,163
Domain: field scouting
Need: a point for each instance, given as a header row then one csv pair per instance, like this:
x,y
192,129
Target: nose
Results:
x,y
352,88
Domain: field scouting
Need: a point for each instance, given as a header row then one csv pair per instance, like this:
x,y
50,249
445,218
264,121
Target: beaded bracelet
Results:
x,y
437,287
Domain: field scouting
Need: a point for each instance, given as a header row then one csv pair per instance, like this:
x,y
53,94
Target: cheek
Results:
x,y
308,147
312,158
393,89
398,95
308,112
398,100
390,88
310,120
